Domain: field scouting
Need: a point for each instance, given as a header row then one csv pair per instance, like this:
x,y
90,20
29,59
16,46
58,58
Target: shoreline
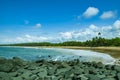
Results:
x,y
18,69
112,51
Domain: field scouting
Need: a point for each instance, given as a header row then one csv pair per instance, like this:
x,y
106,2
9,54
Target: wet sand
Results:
x,y
113,51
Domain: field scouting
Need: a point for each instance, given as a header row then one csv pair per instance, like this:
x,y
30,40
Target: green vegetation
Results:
x,y
95,42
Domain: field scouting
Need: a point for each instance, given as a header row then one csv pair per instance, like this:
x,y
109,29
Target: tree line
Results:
x,y
95,42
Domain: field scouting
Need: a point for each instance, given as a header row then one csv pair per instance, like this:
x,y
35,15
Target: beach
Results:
x,y
42,69
113,51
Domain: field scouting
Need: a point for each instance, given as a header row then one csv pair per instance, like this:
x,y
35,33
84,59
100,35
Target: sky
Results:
x,y
58,20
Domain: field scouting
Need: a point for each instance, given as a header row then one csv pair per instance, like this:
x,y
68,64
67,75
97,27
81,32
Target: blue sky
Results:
x,y
58,20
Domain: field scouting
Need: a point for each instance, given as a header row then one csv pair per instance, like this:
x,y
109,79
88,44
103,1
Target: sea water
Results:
x,y
55,54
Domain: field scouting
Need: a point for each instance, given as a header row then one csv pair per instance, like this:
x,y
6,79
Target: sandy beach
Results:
x,y
113,51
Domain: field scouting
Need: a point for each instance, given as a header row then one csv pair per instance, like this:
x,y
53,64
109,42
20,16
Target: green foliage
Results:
x,y
96,41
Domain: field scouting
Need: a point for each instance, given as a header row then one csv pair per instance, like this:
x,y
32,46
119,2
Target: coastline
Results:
x,y
19,69
113,51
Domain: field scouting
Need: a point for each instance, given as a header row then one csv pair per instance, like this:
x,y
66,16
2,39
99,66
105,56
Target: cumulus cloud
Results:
x,y
117,24
107,31
30,38
108,15
38,25
67,35
90,12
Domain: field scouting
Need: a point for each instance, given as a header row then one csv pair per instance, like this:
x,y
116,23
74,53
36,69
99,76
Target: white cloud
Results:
x,y
38,25
67,35
108,31
117,24
29,38
91,11
108,15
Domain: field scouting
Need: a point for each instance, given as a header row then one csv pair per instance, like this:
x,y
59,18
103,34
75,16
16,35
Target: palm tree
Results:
x,y
99,34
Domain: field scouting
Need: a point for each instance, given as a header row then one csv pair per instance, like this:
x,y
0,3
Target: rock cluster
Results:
x,y
18,69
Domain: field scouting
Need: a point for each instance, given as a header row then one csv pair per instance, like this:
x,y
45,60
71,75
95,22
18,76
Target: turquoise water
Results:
x,y
29,53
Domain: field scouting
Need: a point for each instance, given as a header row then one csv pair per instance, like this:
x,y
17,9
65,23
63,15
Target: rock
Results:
x,y
92,70
21,71
18,62
62,70
100,65
52,71
17,78
108,79
65,65
42,73
82,77
118,76
93,77
48,78
108,67
6,67
117,68
4,76
101,76
13,74
2,60
26,75
33,77
56,77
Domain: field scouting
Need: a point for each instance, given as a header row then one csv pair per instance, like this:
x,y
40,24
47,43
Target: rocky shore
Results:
x,y
18,69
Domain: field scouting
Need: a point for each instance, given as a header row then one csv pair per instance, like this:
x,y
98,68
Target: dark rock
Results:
x,y
26,75
82,77
13,74
4,76
51,71
100,65
17,78
2,60
93,77
117,68
6,67
42,73
62,70
118,76
18,62
108,79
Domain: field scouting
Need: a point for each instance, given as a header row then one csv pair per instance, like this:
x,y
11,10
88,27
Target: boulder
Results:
x,y
5,76
93,77
6,67
17,78
18,62
117,68
26,75
118,76
42,73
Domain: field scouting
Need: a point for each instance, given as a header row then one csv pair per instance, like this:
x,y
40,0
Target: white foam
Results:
x,y
93,56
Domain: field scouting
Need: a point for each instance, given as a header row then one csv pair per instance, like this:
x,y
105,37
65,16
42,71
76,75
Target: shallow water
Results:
x,y
29,53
